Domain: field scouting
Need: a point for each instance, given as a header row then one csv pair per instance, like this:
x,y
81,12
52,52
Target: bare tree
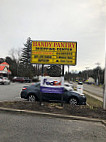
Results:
x,y
16,55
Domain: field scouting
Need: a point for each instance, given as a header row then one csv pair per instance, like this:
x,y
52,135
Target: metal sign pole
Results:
x,y
68,74
104,95
40,91
62,93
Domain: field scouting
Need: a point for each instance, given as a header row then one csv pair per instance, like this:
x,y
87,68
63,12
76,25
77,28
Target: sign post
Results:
x,y
40,91
62,93
104,91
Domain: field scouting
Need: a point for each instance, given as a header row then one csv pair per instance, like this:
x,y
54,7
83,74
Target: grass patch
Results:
x,y
93,103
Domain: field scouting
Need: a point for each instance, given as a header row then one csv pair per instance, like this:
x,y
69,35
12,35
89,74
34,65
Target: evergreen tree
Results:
x,y
26,53
54,70
26,68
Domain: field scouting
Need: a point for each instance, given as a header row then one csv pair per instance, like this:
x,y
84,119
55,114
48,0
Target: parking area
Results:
x,y
11,92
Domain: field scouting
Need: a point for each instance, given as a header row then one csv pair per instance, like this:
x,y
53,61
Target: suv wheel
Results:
x,y
73,101
31,98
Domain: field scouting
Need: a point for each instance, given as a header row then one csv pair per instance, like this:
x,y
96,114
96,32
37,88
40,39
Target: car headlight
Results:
x,y
81,94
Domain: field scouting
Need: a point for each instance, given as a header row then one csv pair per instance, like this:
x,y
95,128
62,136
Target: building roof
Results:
x,y
2,68
9,71
4,63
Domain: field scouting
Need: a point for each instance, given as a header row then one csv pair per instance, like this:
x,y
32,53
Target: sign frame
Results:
x,y
68,42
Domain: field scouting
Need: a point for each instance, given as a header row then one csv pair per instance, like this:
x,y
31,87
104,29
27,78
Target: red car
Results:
x,y
18,79
22,79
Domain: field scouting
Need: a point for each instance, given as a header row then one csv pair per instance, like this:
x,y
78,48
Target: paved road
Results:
x,y
11,92
98,91
27,128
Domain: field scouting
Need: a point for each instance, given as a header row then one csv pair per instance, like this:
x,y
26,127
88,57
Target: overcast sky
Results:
x,y
61,20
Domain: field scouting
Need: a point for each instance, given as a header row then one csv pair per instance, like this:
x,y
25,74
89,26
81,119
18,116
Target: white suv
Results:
x,y
4,80
68,86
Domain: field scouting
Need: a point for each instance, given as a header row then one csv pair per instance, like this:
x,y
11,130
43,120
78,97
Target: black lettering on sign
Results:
x,y
69,61
62,60
48,57
36,56
43,60
41,56
37,48
70,58
61,57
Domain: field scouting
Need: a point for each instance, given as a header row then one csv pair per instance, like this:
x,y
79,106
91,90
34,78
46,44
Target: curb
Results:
x,y
69,117
93,96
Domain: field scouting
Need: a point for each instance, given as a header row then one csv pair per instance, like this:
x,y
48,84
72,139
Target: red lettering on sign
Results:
x,y
39,44
65,44
42,44
54,44
58,44
46,44
34,43
73,44
69,44
50,44
62,44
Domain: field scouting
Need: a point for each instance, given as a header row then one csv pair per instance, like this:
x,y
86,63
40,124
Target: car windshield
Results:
x,y
66,85
37,84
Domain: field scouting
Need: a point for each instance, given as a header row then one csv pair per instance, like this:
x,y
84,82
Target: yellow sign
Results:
x,y
51,52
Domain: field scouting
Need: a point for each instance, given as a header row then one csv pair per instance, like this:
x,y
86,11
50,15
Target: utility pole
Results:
x,y
87,71
98,75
